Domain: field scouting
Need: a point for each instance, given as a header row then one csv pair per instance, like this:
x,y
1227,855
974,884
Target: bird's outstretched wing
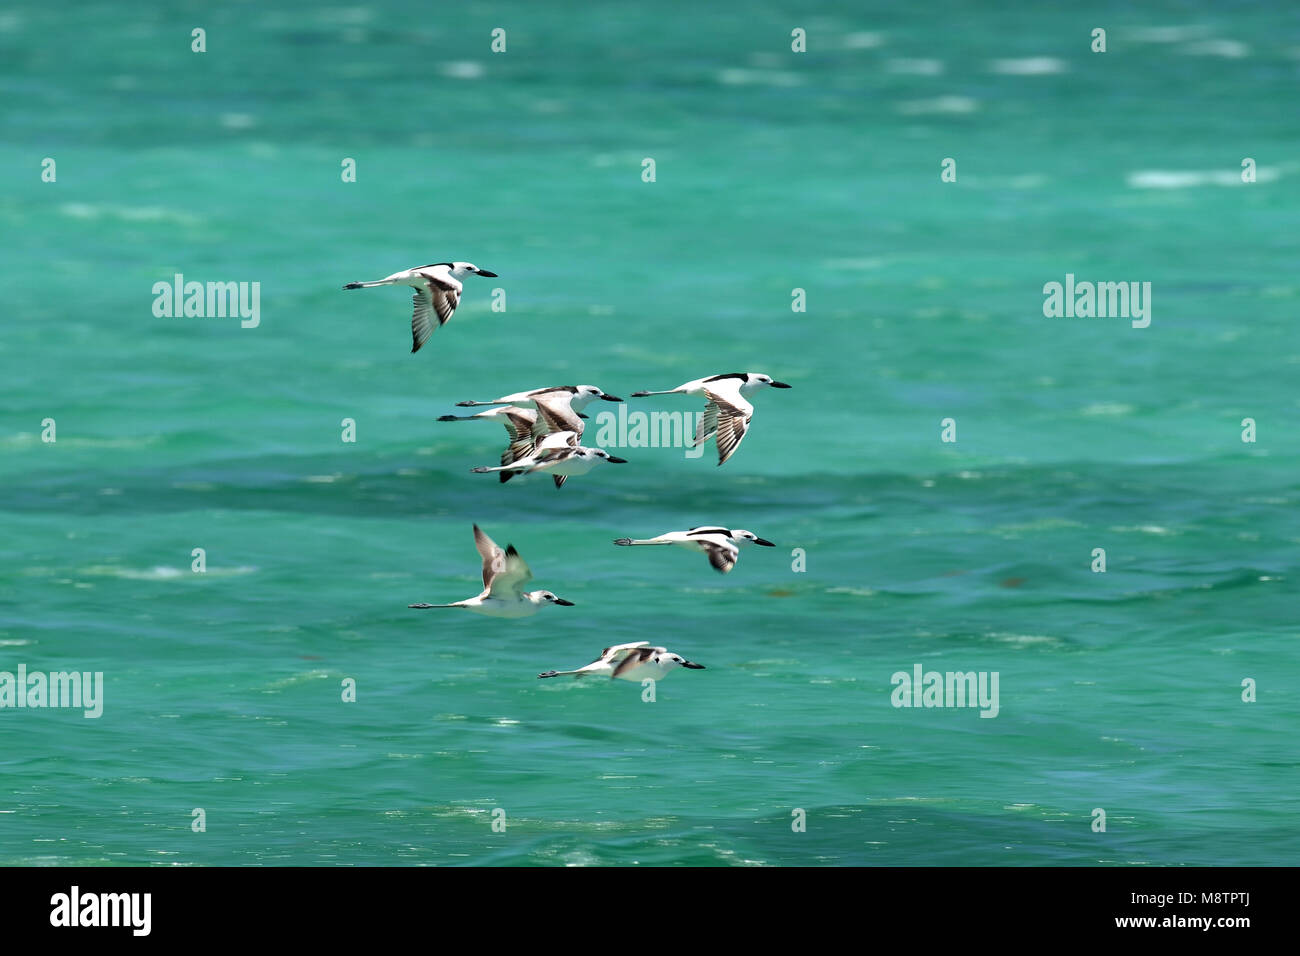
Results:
x,y
494,559
708,425
732,414
509,584
522,427
556,445
422,319
619,650
554,409
435,298
721,556
634,658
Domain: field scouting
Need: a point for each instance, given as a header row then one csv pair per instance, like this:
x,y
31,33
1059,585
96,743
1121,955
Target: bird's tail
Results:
x,y
671,391
631,541
425,606
457,418
558,674
367,285
473,404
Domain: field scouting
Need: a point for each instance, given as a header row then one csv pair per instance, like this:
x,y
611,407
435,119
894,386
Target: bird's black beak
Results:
x,y
616,461
564,603
781,385
764,542
611,398
487,275
693,666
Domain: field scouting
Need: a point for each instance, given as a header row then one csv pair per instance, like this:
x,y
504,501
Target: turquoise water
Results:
x,y
774,171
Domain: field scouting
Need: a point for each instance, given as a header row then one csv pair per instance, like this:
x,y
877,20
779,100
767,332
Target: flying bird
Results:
x,y
523,426
559,455
437,292
578,397
504,574
722,545
727,414
636,662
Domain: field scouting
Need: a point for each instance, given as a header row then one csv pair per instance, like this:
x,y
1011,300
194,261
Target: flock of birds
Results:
x,y
544,427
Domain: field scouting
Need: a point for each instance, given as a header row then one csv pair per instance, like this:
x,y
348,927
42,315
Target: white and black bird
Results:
x,y
437,293
552,414
577,397
523,427
504,575
557,454
722,545
727,413
550,410
546,437
638,661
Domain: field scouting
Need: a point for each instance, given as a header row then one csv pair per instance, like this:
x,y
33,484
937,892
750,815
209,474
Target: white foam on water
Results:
x,y
742,77
161,572
915,66
1025,639
462,69
864,40
1188,178
1168,34
938,105
1231,49
1029,66
85,210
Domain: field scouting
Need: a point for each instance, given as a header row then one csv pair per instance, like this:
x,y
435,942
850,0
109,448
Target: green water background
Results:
x,y
774,171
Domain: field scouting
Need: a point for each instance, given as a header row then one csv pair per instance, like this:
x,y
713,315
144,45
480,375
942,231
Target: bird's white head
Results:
x,y
602,455
546,597
582,394
669,659
757,380
743,537
469,269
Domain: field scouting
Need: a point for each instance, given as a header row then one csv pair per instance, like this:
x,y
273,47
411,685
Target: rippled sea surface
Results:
x,y
774,171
